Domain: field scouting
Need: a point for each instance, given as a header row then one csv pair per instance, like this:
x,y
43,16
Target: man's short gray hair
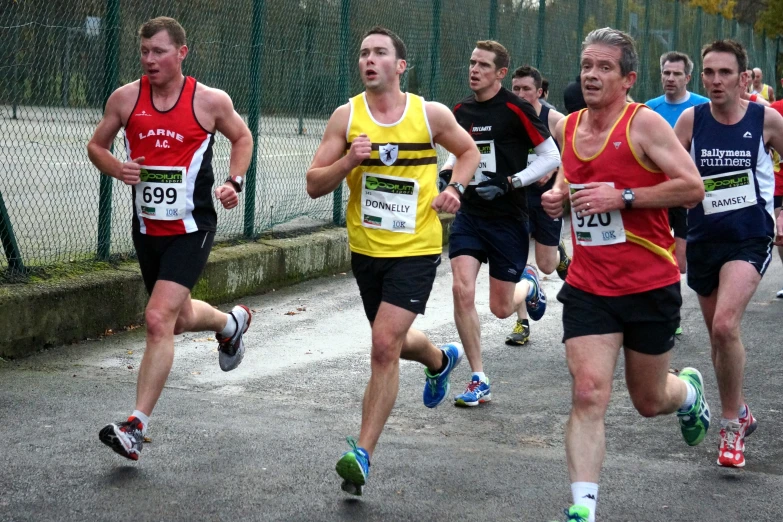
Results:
x,y
629,60
676,56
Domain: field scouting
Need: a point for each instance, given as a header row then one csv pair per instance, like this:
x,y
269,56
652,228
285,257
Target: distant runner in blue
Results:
x,y
676,69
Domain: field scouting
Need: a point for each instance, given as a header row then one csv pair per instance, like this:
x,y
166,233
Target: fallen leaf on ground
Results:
x,y
302,308
130,352
290,313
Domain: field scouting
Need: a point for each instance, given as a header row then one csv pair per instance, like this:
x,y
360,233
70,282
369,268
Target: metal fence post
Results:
x,y
342,92
435,50
697,55
675,43
541,30
493,19
644,69
734,29
111,75
15,88
11,249
254,112
618,14
304,67
580,32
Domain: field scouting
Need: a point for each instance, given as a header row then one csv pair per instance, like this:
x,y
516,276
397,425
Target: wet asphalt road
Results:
x,y
260,443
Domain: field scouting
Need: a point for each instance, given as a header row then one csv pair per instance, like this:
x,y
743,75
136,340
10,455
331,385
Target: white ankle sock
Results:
x,y
480,375
230,328
585,494
690,398
725,422
145,420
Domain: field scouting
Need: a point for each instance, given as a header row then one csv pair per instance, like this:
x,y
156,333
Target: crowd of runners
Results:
x,y
680,187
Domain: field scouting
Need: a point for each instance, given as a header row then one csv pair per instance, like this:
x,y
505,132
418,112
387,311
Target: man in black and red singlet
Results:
x,y
622,169
170,122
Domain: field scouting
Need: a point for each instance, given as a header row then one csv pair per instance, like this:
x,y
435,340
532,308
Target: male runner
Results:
x,y
549,248
491,224
383,140
730,234
622,170
761,88
170,122
676,69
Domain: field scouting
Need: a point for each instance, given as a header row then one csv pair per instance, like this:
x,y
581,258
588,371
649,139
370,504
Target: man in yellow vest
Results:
x,y
761,88
383,142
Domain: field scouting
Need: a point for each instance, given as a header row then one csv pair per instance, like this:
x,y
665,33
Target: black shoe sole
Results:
x,y
109,437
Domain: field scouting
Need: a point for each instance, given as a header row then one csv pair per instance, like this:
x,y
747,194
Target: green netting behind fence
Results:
x,y
287,65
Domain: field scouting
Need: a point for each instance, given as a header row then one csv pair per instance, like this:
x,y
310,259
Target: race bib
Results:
x,y
389,202
487,150
729,191
597,229
162,193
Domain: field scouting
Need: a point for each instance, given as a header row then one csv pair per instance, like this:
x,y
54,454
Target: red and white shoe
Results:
x,y
731,453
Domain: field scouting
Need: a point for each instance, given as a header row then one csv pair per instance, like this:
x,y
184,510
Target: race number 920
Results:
x,y
594,220
157,195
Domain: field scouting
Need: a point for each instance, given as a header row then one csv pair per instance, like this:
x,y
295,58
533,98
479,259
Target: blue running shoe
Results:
x,y
437,387
476,393
354,468
536,305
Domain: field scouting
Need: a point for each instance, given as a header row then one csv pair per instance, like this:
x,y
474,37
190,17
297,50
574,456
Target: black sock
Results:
x,y
444,364
526,322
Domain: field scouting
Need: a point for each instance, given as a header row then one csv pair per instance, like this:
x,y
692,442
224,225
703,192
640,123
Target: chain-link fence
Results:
x,y
287,65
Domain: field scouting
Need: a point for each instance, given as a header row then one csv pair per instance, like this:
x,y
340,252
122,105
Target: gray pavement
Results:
x,y
260,443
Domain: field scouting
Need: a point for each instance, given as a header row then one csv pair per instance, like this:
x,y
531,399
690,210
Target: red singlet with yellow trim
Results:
x,y
175,193
624,251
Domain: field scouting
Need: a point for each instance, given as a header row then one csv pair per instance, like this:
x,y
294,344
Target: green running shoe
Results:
x,y
577,513
678,331
695,422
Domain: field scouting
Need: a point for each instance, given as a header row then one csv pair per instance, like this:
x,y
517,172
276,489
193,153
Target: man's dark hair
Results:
x,y
400,51
163,23
502,57
544,87
527,71
731,47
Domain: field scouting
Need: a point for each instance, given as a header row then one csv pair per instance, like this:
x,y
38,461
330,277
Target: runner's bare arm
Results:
x,y
331,164
553,200
118,106
447,133
654,138
684,128
230,124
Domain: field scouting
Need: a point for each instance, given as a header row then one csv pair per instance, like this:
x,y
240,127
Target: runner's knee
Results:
x,y
590,393
464,294
385,350
501,310
159,323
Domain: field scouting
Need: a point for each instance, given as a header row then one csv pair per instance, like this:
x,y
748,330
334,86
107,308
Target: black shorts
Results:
x,y
647,320
706,259
678,221
544,229
401,281
778,201
502,241
179,259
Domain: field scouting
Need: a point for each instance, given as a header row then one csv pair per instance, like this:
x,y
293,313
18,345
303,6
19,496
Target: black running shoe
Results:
x,y
520,335
565,261
125,438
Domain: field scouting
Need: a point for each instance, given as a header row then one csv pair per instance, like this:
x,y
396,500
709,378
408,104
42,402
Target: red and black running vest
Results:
x,y
175,193
626,251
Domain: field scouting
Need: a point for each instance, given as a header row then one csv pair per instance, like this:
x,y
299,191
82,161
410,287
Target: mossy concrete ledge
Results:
x,y
37,315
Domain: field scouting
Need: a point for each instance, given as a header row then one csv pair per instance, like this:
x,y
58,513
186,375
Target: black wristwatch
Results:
x,y
237,181
628,197
459,186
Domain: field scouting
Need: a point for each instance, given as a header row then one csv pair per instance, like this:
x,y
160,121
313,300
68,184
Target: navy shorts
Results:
x,y
647,320
706,259
544,229
179,259
401,281
502,242
678,221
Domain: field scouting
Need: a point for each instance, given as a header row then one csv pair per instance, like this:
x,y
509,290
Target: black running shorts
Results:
x,y
647,320
401,281
544,229
706,259
778,201
501,241
678,221
179,259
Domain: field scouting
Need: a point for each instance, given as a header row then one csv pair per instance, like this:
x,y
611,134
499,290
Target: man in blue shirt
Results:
x,y
676,69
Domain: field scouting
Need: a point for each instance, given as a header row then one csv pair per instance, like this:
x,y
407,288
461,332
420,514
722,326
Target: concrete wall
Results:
x,y
37,315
